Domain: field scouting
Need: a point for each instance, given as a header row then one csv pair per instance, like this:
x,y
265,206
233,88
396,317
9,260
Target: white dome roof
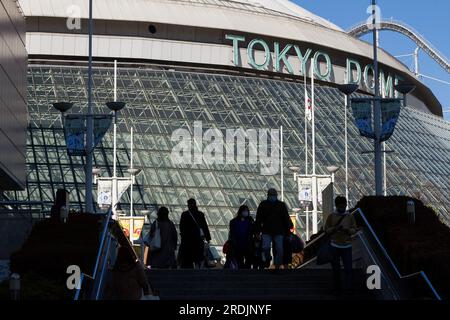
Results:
x,y
286,7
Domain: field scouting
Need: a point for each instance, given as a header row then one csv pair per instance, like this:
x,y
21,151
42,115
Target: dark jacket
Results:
x,y
233,234
191,245
273,218
164,257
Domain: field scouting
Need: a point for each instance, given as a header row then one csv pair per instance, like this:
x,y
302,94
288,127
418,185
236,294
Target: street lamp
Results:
x,y
347,89
405,89
332,170
62,107
115,106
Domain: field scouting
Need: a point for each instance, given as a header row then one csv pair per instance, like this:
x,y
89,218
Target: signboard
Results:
x,y
390,112
362,112
74,129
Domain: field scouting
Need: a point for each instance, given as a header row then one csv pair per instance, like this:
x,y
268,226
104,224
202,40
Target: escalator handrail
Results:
x,y
391,262
99,254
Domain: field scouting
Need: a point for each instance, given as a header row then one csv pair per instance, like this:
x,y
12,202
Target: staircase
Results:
x,y
224,284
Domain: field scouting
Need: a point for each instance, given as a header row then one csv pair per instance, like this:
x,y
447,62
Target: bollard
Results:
x,y
14,286
411,210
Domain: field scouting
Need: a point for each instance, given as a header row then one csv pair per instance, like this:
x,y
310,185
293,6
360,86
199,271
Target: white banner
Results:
x,y
305,193
322,183
104,191
122,186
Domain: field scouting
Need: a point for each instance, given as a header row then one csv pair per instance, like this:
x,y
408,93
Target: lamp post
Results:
x,y
347,90
377,107
115,106
89,124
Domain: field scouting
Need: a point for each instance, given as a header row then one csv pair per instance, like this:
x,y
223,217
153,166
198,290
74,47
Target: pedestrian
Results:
x,y
164,257
241,238
127,280
273,223
195,235
341,226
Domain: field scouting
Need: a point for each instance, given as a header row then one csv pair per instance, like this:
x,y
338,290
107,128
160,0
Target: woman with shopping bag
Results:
x,y
162,242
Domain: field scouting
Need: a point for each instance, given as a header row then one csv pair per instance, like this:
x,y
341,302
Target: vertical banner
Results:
x,y
101,126
122,186
138,226
125,224
104,193
390,112
305,190
362,112
322,184
74,129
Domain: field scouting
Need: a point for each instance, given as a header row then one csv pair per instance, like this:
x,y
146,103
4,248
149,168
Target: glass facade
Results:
x,y
162,101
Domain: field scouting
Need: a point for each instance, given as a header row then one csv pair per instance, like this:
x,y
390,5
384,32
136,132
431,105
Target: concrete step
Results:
x,y
249,284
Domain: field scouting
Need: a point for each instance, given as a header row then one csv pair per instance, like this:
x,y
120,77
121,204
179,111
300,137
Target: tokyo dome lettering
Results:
x,y
260,55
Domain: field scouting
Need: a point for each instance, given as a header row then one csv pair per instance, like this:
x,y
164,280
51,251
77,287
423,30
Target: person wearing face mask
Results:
x,y
341,226
241,238
274,223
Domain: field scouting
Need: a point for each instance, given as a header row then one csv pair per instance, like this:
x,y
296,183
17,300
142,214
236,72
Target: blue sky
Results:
x,y
430,18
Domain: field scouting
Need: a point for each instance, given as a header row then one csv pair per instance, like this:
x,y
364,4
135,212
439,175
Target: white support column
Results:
x,y
282,163
313,133
346,148
114,179
131,192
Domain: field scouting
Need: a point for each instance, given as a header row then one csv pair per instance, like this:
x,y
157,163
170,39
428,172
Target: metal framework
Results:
x,y
161,101
400,27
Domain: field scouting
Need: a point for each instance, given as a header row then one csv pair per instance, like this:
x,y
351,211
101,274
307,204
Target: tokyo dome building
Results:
x,y
194,71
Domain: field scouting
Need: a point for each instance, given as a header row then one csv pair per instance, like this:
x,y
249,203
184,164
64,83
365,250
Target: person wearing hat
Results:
x,y
273,223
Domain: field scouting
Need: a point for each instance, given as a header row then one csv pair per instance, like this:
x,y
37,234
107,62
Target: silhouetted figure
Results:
x,y
165,256
341,226
274,222
127,280
241,238
194,233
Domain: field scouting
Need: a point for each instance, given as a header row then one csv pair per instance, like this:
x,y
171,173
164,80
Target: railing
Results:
x,y
391,262
385,254
102,251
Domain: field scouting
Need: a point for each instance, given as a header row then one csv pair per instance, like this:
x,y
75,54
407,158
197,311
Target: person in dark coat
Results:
x,y
165,256
241,238
274,223
194,232
127,280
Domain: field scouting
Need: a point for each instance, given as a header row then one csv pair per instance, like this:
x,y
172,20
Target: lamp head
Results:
x,y
134,171
405,88
333,169
294,169
62,106
348,89
115,105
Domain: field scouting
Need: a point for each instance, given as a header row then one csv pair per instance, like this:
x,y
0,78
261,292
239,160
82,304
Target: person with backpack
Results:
x,y
241,238
340,227
195,237
274,224
164,228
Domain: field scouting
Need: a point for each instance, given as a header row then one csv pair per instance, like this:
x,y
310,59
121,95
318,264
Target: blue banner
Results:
x,y
362,112
390,112
74,128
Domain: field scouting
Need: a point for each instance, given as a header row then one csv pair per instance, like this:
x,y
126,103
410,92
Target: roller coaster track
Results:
x,y
400,27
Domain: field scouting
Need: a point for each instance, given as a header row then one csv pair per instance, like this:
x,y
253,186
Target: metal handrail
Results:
x,y
391,262
99,254
385,253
